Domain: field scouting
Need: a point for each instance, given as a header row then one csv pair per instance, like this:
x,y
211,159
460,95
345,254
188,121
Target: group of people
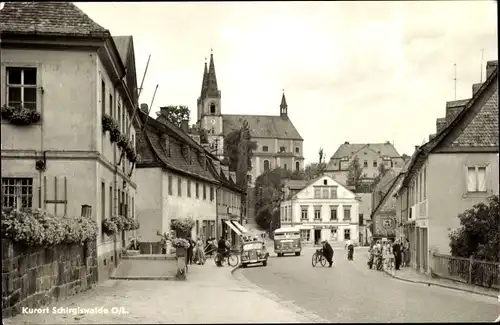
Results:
x,y
394,254
195,252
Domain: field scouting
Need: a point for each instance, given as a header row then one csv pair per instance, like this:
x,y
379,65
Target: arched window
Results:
x,y
266,165
212,108
297,166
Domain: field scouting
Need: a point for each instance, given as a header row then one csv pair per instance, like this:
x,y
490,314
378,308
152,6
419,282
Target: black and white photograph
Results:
x,y
249,162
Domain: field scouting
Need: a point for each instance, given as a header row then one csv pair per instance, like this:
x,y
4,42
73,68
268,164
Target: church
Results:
x,y
279,144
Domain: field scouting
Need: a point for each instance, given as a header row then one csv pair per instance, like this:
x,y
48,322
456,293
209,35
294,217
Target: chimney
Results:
x,y
490,67
475,88
144,108
440,124
432,136
387,142
185,126
416,147
346,142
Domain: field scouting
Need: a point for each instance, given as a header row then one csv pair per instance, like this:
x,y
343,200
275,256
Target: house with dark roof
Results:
x,y
456,169
323,209
279,142
370,157
74,84
178,178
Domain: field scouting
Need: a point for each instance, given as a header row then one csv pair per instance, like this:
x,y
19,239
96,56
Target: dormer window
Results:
x,y
325,182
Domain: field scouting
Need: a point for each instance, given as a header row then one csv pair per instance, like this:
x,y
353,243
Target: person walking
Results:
x,y
396,248
328,253
200,252
189,255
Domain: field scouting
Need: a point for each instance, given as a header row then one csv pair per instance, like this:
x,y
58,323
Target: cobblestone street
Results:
x,y
350,292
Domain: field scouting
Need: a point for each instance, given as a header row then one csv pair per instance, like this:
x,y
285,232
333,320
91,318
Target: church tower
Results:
x,y
209,108
283,107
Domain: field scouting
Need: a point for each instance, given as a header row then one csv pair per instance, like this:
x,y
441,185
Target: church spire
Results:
x,y
212,89
204,83
283,106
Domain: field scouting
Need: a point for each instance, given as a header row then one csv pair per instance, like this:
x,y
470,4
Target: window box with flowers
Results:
x,y
182,226
19,115
109,227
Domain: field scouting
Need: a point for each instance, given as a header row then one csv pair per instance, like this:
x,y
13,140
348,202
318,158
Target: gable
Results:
x,y
388,203
478,129
308,191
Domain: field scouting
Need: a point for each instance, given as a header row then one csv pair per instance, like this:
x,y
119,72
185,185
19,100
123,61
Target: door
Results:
x,y
425,250
417,248
317,236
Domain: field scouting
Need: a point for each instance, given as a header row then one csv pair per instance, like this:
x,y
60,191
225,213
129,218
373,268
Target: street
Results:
x,y
350,292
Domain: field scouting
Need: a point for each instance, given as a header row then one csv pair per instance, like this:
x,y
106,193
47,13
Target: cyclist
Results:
x,y
222,249
328,253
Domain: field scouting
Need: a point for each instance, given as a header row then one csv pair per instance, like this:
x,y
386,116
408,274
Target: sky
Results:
x,y
363,72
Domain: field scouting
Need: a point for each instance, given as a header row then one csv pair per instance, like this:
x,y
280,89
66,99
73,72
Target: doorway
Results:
x,y
317,236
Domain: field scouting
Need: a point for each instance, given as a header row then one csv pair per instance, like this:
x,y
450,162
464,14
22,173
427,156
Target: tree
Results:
x,y
175,114
354,173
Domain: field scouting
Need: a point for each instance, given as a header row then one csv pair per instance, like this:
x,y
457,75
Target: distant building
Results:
x,y
370,156
322,209
456,169
279,144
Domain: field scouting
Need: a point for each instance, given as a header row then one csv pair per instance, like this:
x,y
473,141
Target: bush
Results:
x,y
40,228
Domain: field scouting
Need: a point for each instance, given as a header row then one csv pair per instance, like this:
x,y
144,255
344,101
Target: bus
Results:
x,y
287,241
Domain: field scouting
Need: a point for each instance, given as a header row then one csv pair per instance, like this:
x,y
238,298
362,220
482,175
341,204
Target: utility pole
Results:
x,y
482,58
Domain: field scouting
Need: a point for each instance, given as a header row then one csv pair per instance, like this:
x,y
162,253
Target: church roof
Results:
x,y
262,126
48,18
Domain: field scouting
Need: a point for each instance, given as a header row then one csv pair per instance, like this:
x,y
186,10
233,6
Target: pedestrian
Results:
x,y
407,256
328,252
189,255
200,253
397,254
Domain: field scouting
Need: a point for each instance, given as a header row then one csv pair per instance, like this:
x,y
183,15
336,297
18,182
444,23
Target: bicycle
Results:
x,y
318,257
226,258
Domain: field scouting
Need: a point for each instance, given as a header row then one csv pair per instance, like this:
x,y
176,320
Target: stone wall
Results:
x,y
34,277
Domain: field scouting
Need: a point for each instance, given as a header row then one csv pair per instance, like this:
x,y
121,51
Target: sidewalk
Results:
x,y
210,295
411,275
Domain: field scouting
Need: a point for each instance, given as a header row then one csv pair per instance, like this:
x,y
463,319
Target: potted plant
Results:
x,y
107,123
114,133
182,226
122,142
109,227
181,245
20,115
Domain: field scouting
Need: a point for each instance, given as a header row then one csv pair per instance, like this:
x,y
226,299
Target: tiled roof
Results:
x,y
295,184
48,18
349,149
262,126
122,45
482,131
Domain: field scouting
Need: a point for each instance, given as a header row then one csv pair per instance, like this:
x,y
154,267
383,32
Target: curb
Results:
x,y
442,285
163,278
150,257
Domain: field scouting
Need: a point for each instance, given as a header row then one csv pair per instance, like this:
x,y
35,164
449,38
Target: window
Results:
x,y
374,163
317,214
110,200
132,206
347,213
123,118
297,150
387,223
266,165
305,234
303,214
211,193
347,234
476,179
361,219
189,188
285,167
325,182
333,192
265,148
392,164
21,87
119,117
333,212
197,190
365,163
212,108
110,103
103,200
204,192
425,184
179,186
103,97
297,166
170,181
17,193
282,149
325,193
317,193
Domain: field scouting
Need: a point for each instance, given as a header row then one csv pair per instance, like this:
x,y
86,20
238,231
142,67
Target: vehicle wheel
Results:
x,y
314,260
232,260
264,263
216,259
244,266
297,253
322,260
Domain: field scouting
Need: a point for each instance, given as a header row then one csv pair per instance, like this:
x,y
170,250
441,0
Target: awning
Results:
x,y
239,226
233,227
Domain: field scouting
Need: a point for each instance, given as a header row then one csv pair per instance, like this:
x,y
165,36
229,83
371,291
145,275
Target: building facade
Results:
x,y
456,169
66,159
279,144
370,157
178,178
323,209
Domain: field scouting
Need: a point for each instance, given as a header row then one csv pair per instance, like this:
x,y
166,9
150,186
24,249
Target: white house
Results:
x,y
322,209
